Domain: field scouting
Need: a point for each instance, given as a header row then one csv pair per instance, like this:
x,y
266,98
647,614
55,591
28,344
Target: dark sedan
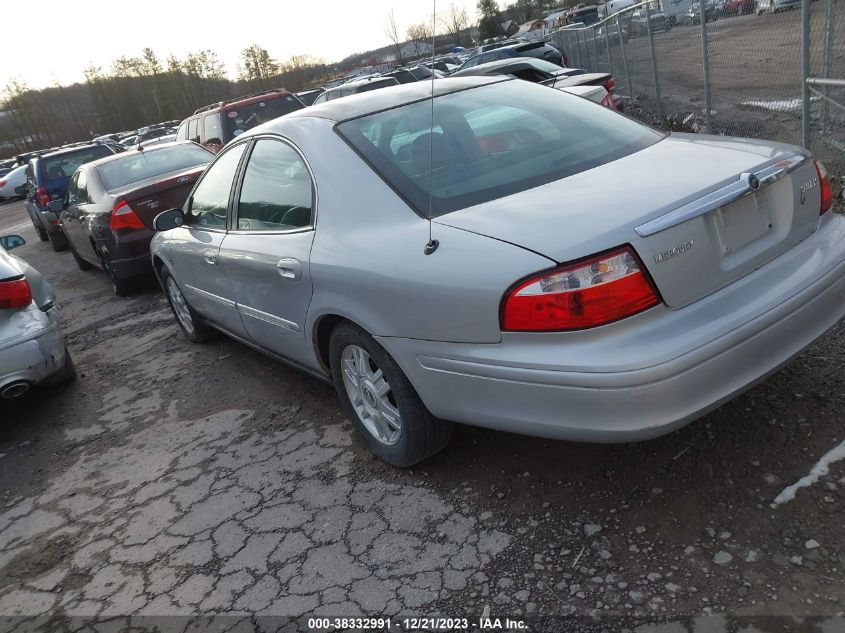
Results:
x,y
108,212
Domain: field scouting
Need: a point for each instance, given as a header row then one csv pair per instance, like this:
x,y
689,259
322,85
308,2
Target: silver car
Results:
x,y
32,346
527,261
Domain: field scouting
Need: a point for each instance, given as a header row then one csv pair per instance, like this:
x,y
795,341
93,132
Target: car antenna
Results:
x,y
432,244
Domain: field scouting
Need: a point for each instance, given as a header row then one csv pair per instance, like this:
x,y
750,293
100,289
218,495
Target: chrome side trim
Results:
x,y
212,297
268,318
726,195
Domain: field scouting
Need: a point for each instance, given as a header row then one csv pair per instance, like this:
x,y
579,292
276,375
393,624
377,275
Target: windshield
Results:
x,y
63,165
136,166
490,142
245,117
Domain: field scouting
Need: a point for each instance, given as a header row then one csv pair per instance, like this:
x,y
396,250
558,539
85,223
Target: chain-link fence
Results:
x,y
729,67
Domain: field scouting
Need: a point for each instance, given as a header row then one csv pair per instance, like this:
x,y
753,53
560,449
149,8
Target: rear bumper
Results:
x,y
647,375
32,346
129,254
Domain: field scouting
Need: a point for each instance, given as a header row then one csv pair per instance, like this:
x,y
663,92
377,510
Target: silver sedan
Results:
x,y
509,256
32,345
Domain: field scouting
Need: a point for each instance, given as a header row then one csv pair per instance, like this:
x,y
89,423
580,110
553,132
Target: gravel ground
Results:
x,y
180,480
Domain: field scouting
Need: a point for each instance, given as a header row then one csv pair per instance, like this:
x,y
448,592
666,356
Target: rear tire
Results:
x,y
65,375
83,264
39,230
58,241
373,380
191,323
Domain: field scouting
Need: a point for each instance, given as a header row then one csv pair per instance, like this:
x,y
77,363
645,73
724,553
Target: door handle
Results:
x,y
289,268
210,256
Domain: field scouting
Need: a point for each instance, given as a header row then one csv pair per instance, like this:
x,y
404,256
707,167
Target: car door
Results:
x,y
194,247
267,250
69,218
83,221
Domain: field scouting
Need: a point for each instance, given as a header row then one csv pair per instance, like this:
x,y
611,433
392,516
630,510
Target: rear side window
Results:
x,y
212,129
490,142
63,165
192,130
78,189
182,132
136,166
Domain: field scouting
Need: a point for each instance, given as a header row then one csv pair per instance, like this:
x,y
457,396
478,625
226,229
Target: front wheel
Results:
x,y
189,321
380,401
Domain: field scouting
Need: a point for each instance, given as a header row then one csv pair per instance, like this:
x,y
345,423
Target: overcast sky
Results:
x,y
67,37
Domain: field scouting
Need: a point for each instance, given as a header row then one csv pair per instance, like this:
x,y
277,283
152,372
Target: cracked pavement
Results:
x,y
176,479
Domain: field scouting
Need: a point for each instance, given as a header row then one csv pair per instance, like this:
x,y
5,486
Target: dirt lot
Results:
x,y
181,480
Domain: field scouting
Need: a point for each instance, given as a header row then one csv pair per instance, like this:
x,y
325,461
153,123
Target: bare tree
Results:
x,y
392,32
420,36
455,21
257,63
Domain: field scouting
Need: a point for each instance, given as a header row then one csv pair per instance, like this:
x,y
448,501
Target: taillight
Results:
x,y
825,186
124,217
584,294
43,196
609,102
610,85
15,294
2,183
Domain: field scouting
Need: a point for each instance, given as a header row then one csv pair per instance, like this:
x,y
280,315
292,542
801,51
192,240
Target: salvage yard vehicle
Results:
x,y
47,177
107,215
32,345
11,184
216,124
482,271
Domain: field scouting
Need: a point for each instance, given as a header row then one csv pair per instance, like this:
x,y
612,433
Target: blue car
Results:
x,y
47,177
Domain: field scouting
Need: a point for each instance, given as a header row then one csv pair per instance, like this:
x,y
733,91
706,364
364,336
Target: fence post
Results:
x,y
625,56
595,49
607,43
654,61
805,73
830,16
705,64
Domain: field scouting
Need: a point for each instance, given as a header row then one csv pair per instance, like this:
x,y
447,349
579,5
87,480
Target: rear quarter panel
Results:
x,y
368,264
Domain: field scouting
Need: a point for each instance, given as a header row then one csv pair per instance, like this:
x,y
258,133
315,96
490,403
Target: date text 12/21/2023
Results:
x,y
415,624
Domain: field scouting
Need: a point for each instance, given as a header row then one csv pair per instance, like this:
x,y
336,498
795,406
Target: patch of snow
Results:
x,y
818,471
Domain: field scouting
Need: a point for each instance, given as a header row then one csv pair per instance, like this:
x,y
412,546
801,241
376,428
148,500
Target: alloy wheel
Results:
x,y
371,395
180,306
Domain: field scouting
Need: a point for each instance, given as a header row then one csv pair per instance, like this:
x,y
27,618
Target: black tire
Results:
x,y
421,434
83,264
39,230
58,241
120,287
65,375
199,331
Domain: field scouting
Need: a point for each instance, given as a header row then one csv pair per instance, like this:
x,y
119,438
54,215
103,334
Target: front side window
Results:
x,y
490,142
210,199
277,193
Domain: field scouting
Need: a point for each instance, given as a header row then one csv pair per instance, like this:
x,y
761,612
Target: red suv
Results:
x,y
215,125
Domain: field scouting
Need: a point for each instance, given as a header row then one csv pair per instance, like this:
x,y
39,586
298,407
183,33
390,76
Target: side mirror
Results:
x,y
170,219
56,206
11,241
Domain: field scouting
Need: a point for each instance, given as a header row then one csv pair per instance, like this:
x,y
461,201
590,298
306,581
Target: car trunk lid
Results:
x,y
150,197
685,204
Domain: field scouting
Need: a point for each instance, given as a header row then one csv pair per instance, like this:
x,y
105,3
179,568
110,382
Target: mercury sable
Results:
x,y
529,261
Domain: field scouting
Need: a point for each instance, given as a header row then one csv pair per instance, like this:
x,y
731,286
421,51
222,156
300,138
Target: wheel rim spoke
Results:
x,y
368,389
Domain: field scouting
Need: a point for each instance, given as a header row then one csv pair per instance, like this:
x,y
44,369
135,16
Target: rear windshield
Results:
x,y
490,142
245,117
63,165
136,166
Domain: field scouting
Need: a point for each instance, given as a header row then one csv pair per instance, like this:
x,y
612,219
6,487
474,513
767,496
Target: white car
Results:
x,y
12,181
32,345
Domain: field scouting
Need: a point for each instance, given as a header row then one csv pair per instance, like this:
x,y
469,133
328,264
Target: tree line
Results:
x,y
136,91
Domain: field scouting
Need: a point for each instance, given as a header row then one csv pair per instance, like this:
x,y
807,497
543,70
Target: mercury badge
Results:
x,y
806,187
683,247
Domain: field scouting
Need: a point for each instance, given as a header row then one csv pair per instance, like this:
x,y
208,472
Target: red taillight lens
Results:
x,y
585,294
825,187
610,85
2,183
15,294
43,196
124,217
609,102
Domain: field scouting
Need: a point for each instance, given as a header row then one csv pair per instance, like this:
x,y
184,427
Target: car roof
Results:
x,y
153,148
70,150
365,103
516,63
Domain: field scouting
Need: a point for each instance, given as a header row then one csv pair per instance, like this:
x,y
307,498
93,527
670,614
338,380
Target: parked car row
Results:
x,y
466,260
